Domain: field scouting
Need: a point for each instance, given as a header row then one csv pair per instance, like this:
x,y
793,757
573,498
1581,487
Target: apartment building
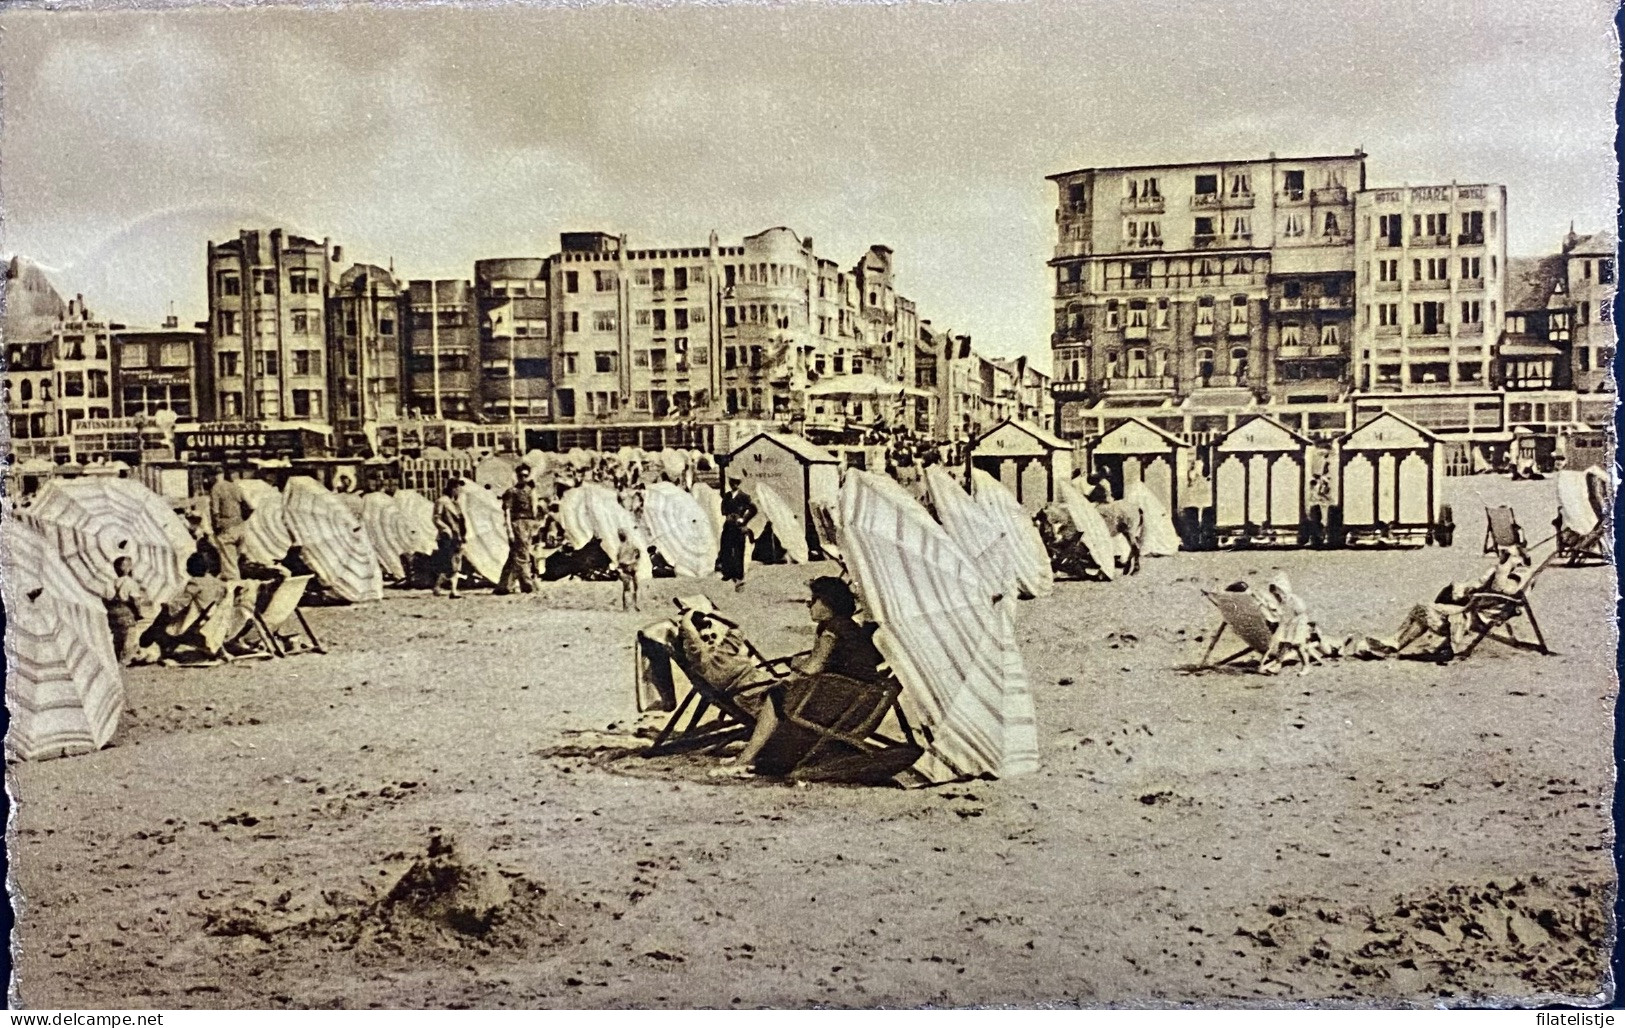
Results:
x,y
442,349
511,297
156,369
1432,265
267,331
1590,282
364,328
32,311
82,367
1164,277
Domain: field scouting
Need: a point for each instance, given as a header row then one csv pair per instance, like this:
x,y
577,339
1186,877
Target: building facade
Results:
x,y
1164,274
156,369
267,333
1590,280
364,327
515,338
33,309
82,367
1432,266
442,349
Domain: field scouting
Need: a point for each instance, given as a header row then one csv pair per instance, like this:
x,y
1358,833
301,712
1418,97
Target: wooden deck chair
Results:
x,y
208,631
282,611
712,715
245,635
1577,550
1243,616
832,733
1502,530
1493,615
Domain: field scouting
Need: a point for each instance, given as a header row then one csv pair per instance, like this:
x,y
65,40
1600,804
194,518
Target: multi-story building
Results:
x,y
1030,392
707,332
33,309
363,354
1163,276
515,329
267,327
442,349
82,367
156,369
1589,265
1432,264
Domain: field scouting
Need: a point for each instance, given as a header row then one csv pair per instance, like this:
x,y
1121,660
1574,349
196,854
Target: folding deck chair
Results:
x,y
832,733
711,715
1495,616
1502,531
282,611
1244,617
1582,550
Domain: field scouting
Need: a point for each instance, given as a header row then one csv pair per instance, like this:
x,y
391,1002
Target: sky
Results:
x,y
433,137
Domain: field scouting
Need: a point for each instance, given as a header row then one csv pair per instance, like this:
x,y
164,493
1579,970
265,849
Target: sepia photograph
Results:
x,y
810,505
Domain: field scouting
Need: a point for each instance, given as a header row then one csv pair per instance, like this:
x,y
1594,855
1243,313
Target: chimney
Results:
x,y
171,321
338,254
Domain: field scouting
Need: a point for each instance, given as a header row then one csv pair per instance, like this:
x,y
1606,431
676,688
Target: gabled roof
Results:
x,y
1598,244
1370,428
1241,439
796,444
1049,439
1531,281
1144,426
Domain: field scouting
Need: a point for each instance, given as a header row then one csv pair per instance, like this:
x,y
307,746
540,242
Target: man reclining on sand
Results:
x,y
1443,625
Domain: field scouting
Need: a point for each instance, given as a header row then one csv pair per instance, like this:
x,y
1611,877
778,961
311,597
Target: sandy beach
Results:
x,y
448,809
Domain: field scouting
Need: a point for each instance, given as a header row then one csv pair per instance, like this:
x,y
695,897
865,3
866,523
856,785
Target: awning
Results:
x,y
1530,350
861,386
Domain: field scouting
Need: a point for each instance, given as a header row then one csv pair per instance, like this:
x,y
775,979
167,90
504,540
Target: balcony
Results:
x,y
1206,241
1286,303
1068,385
1330,194
1239,200
1469,283
1240,329
1223,380
1290,196
1470,239
1135,332
1388,287
1068,287
1206,201
1203,330
1138,384
1066,336
1143,205
1426,240
1470,328
1143,244
1336,303
1302,351
1429,284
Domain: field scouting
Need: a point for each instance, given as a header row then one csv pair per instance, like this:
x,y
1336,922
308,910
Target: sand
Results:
x,y
448,810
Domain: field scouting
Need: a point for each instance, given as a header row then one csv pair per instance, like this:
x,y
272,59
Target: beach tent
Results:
x,y
1028,460
593,511
1138,451
798,471
94,521
1390,474
1158,537
64,687
1260,482
1034,576
975,529
388,531
681,529
1097,538
950,645
487,543
331,540
419,514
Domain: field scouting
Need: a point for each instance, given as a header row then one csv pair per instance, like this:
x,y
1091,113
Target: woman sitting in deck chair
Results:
x,y
842,647
1445,624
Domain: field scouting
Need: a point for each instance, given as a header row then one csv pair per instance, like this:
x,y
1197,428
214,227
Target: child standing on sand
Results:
x,y
627,557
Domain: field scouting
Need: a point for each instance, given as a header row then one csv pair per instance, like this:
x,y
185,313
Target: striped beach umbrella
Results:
x,y
387,529
257,491
266,538
419,514
496,473
710,501
592,511
1097,538
680,529
1033,572
487,543
64,687
787,526
974,529
952,647
331,540
94,521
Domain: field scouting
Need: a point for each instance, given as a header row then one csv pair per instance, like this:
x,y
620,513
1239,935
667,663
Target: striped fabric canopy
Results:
x,y
592,511
827,523
680,529
536,460
710,501
497,473
951,646
388,531
974,529
673,463
487,544
419,514
64,689
1574,502
257,491
331,541
787,526
1033,572
266,538
1097,538
1158,538
93,521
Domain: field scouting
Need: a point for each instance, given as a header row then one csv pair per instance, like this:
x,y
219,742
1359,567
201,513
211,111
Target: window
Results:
x,y
265,281
642,318
231,404
1330,336
1388,271
1429,316
680,319
603,321
1241,184
1390,228
228,365
307,403
1162,312
1293,185
730,318
1332,226
696,316
1136,315
133,355
640,277
1238,313
1294,226
73,383
301,323
1472,267
1388,315
679,279
265,363
567,403
230,285
1204,228
1144,189
1292,289
1416,269
175,355
603,281
658,278
660,319
657,361
1241,227
570,363
1605,271
307,362
1204,312
1472,226
228,323
603,362
1207,185
1585,314
1113,315
1139,273
575,321
1470,312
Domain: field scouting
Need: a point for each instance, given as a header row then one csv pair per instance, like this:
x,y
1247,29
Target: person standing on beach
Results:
x,y
522,503
226,519
124,610
737,511
451,531
628,555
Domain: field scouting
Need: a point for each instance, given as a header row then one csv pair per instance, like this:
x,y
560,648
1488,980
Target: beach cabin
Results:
x,y
797,470
1138,451
1260,484
1031,462
1390,474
